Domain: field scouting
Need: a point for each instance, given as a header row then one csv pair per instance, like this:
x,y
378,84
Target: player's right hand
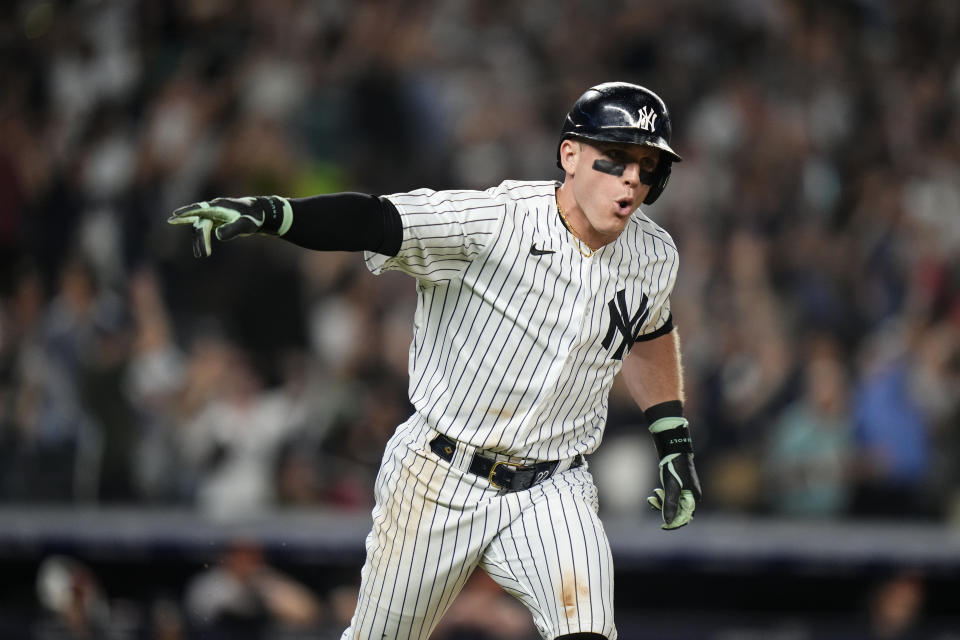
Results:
x,y
230,218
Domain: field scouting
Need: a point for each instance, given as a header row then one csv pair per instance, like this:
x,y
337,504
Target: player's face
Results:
x,y
607,186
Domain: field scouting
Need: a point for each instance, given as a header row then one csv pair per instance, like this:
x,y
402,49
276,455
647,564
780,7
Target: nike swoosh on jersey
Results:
x,y
539,252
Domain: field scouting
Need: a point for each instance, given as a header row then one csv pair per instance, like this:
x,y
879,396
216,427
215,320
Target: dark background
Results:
x,y
150,401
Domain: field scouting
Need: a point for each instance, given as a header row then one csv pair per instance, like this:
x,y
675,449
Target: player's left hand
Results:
x,y
679,491
230,218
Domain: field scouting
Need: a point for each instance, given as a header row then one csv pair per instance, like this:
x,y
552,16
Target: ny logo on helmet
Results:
x,y
646,119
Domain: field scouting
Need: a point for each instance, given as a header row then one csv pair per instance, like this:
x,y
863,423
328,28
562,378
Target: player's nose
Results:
x,y
631,175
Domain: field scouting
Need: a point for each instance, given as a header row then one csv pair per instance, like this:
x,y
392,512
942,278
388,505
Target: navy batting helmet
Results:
x,y
626,113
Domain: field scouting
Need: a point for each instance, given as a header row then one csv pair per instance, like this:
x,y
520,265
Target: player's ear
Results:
x,y
569,152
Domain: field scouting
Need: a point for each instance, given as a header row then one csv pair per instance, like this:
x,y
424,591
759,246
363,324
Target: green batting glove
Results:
x,y
230,218
679,491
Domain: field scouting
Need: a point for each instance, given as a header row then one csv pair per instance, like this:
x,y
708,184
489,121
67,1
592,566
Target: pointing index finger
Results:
x,y
184,219
189,209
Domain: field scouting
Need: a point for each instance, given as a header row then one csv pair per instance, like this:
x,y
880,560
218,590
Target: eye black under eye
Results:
x,y
607,166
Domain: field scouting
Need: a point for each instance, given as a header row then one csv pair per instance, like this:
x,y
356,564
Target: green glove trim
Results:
x,y
287,216
664,424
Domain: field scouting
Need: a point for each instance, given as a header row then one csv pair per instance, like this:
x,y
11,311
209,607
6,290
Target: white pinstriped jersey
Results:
x,y
517,336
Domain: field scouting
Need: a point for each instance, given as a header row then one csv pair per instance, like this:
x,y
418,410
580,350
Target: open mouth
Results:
x,y
624,206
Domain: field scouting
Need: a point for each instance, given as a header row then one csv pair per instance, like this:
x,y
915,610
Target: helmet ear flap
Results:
x,y
660,181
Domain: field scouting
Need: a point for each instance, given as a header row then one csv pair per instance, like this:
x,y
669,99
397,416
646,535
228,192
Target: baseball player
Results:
x,y
531,296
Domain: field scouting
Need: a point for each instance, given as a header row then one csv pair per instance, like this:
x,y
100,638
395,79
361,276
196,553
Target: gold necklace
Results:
x,y
572,232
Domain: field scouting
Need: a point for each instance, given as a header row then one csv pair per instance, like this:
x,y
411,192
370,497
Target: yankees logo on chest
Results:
x,y
624,328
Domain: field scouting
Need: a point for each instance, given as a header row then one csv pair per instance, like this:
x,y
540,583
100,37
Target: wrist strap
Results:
x,y
277,215
671,435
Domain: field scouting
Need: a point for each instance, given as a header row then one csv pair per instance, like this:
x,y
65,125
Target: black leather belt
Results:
x,y
507,476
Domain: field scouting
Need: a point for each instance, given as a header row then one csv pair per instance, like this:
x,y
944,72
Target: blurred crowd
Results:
x,y
817,213
240,595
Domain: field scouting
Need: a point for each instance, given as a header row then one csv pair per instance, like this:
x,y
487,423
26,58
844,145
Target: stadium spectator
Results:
x,y
809,458
243,597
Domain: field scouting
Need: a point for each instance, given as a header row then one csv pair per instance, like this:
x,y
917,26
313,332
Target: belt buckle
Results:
x,y
493,470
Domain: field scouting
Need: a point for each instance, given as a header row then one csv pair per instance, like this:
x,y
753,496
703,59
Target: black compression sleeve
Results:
x,y
346,222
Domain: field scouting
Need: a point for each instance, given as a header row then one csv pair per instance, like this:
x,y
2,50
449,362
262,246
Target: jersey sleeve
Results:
x,y
443,231
663,276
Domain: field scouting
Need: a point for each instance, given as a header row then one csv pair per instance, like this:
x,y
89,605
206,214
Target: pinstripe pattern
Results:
x,y
507,357
434,524
507,352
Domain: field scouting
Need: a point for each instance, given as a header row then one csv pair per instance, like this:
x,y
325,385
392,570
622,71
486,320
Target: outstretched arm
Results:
x,y
654,376
336,222
430,235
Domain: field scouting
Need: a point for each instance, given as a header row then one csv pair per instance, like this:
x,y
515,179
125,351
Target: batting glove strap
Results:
x,y
671,435
269,215
275,220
